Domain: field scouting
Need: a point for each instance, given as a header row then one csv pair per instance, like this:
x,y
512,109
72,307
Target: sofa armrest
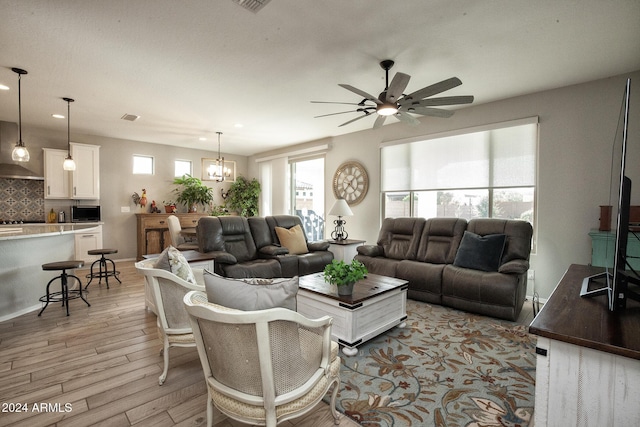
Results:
x,y
320,245
370,250
223,257
516,266
273,250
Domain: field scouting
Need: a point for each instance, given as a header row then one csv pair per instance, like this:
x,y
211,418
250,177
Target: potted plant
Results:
x,y
344,275
192,192
243,196
170,206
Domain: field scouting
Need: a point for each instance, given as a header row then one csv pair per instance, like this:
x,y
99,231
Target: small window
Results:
x,y
142,165
182,167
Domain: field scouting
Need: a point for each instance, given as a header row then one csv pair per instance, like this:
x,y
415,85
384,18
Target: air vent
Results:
x,y
130,117
253,5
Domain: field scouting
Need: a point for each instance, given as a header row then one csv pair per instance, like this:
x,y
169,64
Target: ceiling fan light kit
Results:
x,y
393,102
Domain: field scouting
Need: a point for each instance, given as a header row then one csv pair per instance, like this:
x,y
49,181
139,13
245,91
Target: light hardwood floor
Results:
x,y
103,361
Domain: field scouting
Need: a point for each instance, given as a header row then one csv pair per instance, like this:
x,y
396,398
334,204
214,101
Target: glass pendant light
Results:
x,y
20,152
69,164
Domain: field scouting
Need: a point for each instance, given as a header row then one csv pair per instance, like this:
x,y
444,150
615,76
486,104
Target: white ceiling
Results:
x,y
190,68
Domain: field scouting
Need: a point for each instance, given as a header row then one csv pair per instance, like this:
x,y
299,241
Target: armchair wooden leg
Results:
x,y
165,354
332,404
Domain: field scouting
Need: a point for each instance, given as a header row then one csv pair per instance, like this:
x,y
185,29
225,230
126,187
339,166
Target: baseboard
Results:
x,y
20,312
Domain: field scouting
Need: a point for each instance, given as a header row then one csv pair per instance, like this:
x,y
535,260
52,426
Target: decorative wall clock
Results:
x,y
350,182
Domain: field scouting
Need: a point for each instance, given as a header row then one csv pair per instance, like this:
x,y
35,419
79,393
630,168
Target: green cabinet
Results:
x,y
603,248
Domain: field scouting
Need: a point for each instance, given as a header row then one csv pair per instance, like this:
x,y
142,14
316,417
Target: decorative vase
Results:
x,y
193,208
346,289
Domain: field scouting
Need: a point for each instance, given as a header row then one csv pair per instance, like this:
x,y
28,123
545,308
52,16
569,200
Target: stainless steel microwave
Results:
x,y
85,213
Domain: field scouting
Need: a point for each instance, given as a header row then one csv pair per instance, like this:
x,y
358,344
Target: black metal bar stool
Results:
x,y
64,295
103,268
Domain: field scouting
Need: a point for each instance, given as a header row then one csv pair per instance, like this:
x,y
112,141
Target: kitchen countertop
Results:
x,y
23,231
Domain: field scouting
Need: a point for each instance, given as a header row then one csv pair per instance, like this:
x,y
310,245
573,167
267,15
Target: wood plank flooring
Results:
x,y
100,367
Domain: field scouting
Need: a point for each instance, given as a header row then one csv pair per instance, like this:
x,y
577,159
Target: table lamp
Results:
x,y
340,208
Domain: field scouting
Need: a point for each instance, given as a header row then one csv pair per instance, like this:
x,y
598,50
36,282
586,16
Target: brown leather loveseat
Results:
x,y
478,266
249,247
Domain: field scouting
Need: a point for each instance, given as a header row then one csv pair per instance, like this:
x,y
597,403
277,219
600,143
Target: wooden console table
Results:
x,y
153,230
588,363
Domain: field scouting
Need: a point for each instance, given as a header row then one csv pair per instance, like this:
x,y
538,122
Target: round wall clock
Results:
x,y
350,182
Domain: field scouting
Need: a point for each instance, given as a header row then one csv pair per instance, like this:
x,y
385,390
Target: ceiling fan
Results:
x,y
393,102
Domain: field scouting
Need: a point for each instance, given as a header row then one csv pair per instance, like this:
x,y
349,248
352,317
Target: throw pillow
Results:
x,y
171,259
480,252
251,294
292,239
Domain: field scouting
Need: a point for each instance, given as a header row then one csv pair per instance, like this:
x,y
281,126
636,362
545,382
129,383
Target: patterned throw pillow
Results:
x,y
171,259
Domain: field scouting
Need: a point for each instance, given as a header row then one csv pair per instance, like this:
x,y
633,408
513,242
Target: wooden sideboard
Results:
x,y
153,230
588,363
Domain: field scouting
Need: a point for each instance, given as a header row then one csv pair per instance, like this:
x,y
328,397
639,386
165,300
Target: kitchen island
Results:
x,y
23,250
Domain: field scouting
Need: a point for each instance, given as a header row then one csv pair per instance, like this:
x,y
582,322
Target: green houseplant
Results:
x,y
192,192
243,196
344,275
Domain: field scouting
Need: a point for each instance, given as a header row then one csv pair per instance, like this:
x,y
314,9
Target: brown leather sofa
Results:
x,y
249,247
425,252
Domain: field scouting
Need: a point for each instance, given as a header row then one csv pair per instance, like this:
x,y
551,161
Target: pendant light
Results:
x,y
69,164
20,152
218,172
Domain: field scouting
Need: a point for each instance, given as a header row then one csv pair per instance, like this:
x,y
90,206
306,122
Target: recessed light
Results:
x,y
57,116
238,125
202,138
3,87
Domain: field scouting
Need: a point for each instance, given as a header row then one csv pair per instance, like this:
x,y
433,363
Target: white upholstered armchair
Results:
x,y
263,367
168,290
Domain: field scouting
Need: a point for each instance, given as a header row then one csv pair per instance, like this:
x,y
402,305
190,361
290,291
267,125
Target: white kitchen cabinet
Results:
x,y
56,180
85,180
87,240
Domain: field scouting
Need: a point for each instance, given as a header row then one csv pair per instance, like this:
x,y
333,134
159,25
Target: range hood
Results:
x,y
8,138
11,170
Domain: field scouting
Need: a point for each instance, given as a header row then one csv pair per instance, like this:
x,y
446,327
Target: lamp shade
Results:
x,y
341,208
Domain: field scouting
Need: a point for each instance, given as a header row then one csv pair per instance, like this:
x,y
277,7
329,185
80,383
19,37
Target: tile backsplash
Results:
x,y
21,199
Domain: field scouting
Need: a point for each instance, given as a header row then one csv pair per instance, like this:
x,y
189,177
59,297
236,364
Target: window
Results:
x,y
182,167
142,165
483,173
307,179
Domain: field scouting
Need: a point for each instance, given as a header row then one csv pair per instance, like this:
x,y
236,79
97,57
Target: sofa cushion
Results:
x,y
260,267
519,234
399,237
251,294
440,240
293,239
480,252
171,259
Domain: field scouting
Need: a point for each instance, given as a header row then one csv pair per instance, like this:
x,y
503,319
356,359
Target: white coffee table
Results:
x,y
378,303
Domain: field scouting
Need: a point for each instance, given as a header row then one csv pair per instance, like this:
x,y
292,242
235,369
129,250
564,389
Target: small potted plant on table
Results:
x,y
344,275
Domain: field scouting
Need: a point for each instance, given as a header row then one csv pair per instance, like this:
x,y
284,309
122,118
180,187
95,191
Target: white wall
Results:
x,y
577,127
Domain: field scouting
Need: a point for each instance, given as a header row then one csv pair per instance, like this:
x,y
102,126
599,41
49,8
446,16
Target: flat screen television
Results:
x,y
615,281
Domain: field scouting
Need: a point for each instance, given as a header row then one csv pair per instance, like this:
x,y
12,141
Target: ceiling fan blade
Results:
x,y
445,100
432,112
331,102
379,121
434,88
334,114
361,93
397,86
353,120
407,118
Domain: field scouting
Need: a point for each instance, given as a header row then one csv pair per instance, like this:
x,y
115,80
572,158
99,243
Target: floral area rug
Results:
x,y
445,368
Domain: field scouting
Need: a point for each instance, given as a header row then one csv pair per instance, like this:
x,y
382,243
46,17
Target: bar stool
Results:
x,y
65,294
103,269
